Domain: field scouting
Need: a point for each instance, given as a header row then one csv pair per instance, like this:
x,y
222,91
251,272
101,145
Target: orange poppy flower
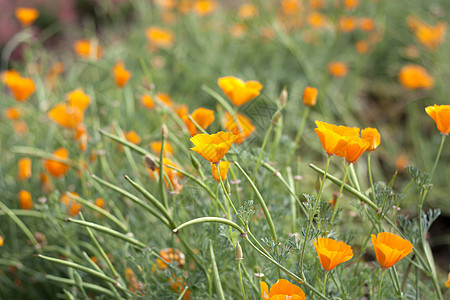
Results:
x,y
280,290
12,113
147,101
238,91
354,149
164,98
56,168
25,200
133,137
333,138
223,166
242,127
156,148
441,115
351,4
310,96
135,286
390,248
247,11
171,255
178,285
362,47
316,20
87,49
173,175
415,77
182,110
401,162
121,74
338,69
202,116
204,7
78,98
372,136
21,87
160,38
24,168
72,206
26,15
100,202
213,147
429,36
332,253
347,24
46,183
366,24
66,115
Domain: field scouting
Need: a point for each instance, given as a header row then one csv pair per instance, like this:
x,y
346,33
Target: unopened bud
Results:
x,y
78,279
150,163
238,252
194,161
164,131
283,97
276,116
228,188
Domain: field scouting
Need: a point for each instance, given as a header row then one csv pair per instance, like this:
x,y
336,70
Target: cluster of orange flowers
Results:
x,y
345,141
431,37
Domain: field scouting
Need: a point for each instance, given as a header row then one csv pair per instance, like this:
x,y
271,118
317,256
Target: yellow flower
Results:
x,y
121,74
241,127
310,96
332,253
24,168
133,137
160,38
223,166
415,77
78,99
213,147
56,168
441,115
26,15
332,137
390,248
25,200
66,115
238,91
147,101
281,290
372,136
204,7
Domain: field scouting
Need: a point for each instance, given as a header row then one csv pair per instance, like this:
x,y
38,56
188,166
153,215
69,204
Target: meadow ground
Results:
x,y
302,146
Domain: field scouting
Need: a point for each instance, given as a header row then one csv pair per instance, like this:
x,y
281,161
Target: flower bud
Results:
x,y
283,97
194,161
150,162
310,96
238,252
276,116
164,131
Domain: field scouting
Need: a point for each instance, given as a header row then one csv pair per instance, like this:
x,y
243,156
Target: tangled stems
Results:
x,y
312,215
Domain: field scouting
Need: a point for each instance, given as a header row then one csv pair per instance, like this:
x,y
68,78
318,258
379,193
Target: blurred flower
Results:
x,y
447,284
332,253
81,136
239,91
332,137
213,147
316,20
135,286
121,74
337,69
46,183
147,101
53,73
310,96
100,202
247,11
20,127
401,162
160,38
347,24
390,248
366,24
429,36
78,99
242,127
133,137
282,289
12,113
204,7
72,206
26,15
202,116
170,256
223,167
66,115
164,98
441,115
362,47
178,285
24,168
415,77
372,136
25,200
21,87
172,175
291,7
156,148
1,241
238,30
56,168
351,4
88,49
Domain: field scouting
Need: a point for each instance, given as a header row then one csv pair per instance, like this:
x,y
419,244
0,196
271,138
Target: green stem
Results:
x,y
438,156
241,281
89,286
299,132
339,197
258,161
217,282
382,271
369,170
161,170
325,282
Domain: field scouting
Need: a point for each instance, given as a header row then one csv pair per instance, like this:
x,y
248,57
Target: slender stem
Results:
x,y
217,282
438,156
339,197
325,282
311,217
354,177
161,170
382,271
240,279
369,170
299,132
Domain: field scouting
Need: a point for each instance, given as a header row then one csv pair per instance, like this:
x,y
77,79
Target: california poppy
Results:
x,y
169,256
26,15
310,96
332,253
204,7
66,115
223,166
56,168
21,87
390,248
372,136
159,37
156,148
121,74
147,101
238,91
415,77
133,137
25,200
242,127
441,115
447,283
202,116
12,113
88,49
24,168
282,289
316,20
347,24
164,98
213,147
172,175
354,149
338,69
333,138
78,99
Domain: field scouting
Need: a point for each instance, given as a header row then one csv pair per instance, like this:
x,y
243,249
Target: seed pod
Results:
x,y
238,252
